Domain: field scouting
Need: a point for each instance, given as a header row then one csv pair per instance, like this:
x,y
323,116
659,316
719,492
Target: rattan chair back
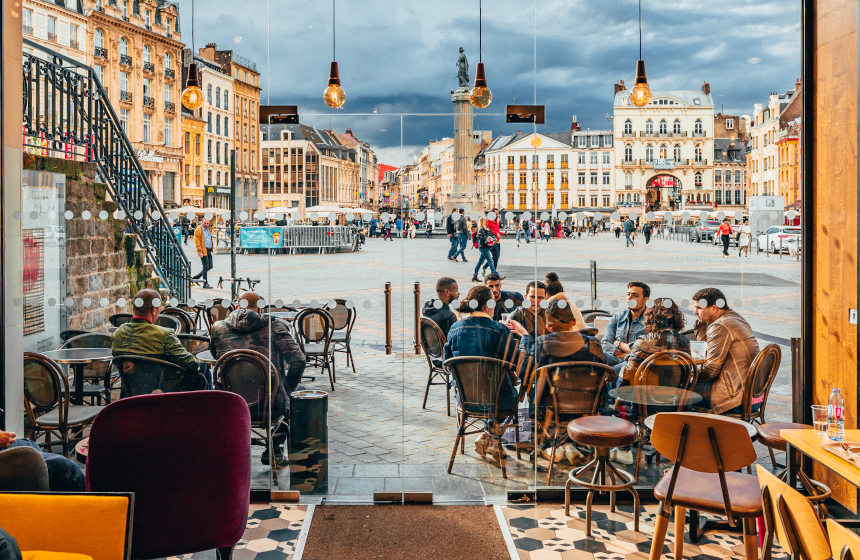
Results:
x,y
142,375
244,372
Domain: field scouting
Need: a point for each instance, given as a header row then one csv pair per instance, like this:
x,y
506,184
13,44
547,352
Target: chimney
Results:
x,y
797,84
706,88
574,125
620,86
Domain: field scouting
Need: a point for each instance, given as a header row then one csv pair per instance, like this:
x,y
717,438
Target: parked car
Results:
x,y
704,231
780,238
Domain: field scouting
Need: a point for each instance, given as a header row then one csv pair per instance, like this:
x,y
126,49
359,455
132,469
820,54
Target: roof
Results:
x,y
686,98
729,150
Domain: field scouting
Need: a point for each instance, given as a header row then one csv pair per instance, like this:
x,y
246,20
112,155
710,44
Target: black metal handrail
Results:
x,y
66,109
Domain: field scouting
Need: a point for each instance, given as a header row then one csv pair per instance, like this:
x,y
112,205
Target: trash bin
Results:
x,y
308,441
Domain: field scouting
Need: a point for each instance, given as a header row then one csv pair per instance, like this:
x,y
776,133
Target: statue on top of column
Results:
x,y
463,69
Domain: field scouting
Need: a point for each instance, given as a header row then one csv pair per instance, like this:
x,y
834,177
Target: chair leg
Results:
x,y
567,497
448,393
659,534
750,539
457,440
551,461
680,521
225,552
328,367
498,438
638,460
350,357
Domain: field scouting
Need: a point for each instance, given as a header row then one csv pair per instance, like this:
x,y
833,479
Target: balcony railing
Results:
x,y
28,29
73,43
52,37
100,52
125,59
148,102
126,96
169,73
169,106
148,67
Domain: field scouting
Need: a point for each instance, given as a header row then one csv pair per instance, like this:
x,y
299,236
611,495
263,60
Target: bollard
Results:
x,y
308,441
417,292
388,317
593,269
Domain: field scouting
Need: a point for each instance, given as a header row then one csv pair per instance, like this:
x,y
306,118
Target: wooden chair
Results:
x,y
433,341
70,333
343,318
94,372
169,322
574,389
479,383
706,449
313,329
760,376
669,368
118,319
218,311
186,321
47,403
844,543
143,375
194,343
790,517
589,315
244,372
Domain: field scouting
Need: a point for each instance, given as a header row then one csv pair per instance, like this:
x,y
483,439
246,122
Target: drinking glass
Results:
x,y
819,418
505,317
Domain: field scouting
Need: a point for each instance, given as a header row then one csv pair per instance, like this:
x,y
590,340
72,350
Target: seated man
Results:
x,y
732,347
437,310
530,314
626,325
246,329
500,296
64,474
142,337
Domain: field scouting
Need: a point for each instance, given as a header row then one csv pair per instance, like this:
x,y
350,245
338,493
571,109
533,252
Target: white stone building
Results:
x,y
664,150
59,25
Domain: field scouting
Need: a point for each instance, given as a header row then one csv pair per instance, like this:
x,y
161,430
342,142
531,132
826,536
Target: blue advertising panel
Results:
x,y
261,237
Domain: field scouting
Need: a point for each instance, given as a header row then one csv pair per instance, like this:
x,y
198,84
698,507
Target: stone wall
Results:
x,y
103,264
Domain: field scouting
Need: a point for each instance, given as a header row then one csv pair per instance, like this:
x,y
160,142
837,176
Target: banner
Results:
x,y
260,237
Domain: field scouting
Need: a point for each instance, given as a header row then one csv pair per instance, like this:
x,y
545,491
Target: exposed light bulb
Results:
x,y
640,95
334,95
481,96
192,95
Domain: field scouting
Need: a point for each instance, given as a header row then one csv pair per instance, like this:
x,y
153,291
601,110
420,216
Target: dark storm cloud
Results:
x,y
399,56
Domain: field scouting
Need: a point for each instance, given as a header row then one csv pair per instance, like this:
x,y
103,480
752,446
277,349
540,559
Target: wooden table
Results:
x,y
77,358
809,443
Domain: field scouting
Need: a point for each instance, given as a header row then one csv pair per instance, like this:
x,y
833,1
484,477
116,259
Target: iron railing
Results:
x,y
125,59
66,110
100,52
148,67
169,106
169,73
126,96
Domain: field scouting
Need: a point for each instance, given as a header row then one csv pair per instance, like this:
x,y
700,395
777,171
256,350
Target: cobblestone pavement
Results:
x,y
381,439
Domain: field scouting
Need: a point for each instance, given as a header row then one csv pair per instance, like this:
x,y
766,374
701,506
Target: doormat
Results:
x,y
407,532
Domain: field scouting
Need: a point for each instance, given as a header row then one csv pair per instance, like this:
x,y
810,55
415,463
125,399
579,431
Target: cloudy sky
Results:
x,y
400,57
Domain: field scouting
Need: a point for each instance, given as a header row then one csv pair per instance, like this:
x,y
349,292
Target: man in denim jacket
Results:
x,y
627,325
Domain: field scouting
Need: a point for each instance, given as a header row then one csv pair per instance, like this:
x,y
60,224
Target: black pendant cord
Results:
x,y
640,29
333,36
480,32
192,30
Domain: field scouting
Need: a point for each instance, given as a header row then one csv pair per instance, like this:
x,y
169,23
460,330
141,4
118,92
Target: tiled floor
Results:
x,y
544,532
271,534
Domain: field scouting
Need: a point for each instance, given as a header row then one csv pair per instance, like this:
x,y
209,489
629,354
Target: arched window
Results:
x,y
218,152
628,180
664,151
99,39
218,124
698,179
218,97
676,152
628,153
697,128
209,94
226,99
663,127
147,54
217,177
698,154
226,156
123,46
676,127
649,128
628,128
649,153
226,131
168,61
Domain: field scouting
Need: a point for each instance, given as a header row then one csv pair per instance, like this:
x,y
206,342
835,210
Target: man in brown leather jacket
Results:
x,y
732,347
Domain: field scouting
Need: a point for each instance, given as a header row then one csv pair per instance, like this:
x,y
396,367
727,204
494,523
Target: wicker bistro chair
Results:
x,y
433,342
589,315
186,321
142,375
194,343
47,403
574,389
672,369
70,333
479,382
169,322
94,372
314,328
706,449
244,372
757,385
343,317
218,311
118,319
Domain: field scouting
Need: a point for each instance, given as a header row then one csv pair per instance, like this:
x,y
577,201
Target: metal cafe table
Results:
x,y
205,357
77,358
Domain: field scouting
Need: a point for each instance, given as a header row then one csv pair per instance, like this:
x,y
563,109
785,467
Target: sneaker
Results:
x,y
623,456
280,460
464,259
207,286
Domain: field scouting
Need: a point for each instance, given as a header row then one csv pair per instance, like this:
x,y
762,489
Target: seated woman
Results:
x,y
477,334
663,323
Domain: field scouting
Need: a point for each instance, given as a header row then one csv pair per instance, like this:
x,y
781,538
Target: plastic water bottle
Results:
x,y
836,416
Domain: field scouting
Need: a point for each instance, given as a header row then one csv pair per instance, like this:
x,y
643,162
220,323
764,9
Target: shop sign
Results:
x,y
150,156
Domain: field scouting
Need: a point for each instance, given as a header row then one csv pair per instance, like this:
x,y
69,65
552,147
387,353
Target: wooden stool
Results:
x,y
602,433
768,435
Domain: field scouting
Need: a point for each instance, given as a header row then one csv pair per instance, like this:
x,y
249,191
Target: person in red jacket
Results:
x,y
725,232
496,249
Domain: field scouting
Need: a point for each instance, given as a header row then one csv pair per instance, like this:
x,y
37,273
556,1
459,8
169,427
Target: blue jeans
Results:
x,y
455,243
64,474
520,233
627,238
486,256
463,239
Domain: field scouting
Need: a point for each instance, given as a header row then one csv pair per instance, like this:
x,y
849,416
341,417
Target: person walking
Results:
x,y
629,228
485,240
461,226
386,230
184,224
725,232
413,228
496,249
452,235
526,230
203,245
744,238
646,232
618,229
429,228
373,223
545,231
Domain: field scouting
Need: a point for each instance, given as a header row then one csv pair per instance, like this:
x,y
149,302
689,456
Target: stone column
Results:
x,y
464,191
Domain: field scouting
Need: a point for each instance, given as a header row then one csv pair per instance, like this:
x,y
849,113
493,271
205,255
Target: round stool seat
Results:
x,y
768,434
602,431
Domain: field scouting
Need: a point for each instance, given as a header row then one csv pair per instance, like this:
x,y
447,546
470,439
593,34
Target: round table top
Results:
x,y
79,355
206,357
655,395
751,430
287,315
82,450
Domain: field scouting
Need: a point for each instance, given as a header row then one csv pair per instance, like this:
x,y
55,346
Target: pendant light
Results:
x,y
192,95
640,95
333,95
481,96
